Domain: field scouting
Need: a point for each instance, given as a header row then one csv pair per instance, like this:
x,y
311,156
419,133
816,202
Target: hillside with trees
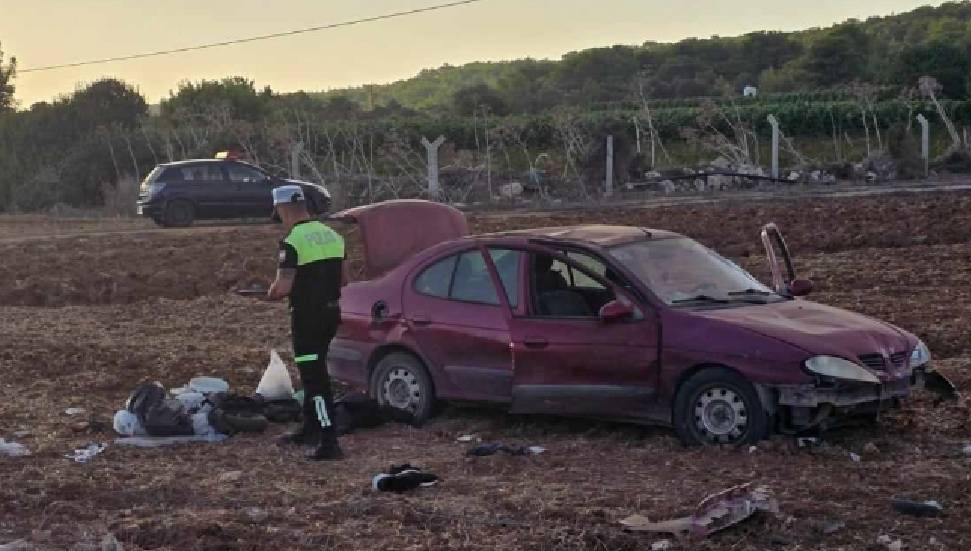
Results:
x,y
846,97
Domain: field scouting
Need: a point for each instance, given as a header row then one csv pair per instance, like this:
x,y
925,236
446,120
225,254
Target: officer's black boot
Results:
x,y
326,452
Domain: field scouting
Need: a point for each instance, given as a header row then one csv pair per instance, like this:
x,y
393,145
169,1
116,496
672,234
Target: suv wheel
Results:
x,y
179,214
401,381
718,406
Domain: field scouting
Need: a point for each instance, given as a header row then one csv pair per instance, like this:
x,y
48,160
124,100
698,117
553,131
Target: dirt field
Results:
x,y
90,309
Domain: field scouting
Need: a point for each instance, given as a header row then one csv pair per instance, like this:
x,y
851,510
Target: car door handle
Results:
x,y
420,320
535,342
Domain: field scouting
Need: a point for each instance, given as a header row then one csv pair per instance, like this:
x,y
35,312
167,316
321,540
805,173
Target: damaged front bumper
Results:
x,y
809,406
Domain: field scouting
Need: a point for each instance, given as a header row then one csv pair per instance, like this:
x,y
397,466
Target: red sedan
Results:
x,y
608,322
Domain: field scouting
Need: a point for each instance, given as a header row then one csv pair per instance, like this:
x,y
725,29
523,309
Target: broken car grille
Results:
x,y
877,362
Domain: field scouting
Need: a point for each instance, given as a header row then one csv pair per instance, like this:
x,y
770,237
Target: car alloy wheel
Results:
x,y
401,389
720,415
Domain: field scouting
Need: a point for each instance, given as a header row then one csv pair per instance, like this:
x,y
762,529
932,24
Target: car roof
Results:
x,y
597,234
203,161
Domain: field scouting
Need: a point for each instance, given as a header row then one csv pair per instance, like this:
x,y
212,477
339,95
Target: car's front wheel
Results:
x,y
179,214
401,381
719,406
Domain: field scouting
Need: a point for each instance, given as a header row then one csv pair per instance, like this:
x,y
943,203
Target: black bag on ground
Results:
x,y
358,411
233,413
282,411
159,416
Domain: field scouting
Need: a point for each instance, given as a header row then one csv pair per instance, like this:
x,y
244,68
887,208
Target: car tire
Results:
x,y
179,214
717,406
400,380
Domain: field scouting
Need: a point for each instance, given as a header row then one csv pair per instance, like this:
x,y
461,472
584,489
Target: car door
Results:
x,y
209,189
254,190
780,262
460,322
569,361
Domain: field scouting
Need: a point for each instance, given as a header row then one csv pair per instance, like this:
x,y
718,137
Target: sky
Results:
x,y
48,32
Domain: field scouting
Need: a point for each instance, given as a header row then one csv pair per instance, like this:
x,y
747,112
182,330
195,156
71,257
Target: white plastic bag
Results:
x,y
127,424
200,424
13,449
208,385
191,401
276,383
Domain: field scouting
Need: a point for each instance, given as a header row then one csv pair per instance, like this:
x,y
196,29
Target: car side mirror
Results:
x,y
800,287
615,310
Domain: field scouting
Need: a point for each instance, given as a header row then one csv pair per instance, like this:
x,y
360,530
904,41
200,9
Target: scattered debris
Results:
x,y
85,454
936,382
890,543
22,434
753,449
74,411
871,448
256,515
808,442
966,450
917,508
494,448
159,441
401,478
714,513
230,476
13,449
855,457
465,438
111,543
661,545
832,526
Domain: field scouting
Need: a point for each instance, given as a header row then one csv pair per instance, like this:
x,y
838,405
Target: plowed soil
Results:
x,y
88,310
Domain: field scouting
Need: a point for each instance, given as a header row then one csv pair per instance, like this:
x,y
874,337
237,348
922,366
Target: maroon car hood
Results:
x,y
817,329
392,231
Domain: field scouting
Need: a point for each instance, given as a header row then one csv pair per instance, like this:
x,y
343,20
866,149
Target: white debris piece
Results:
x,y
74,411
13,449
85,454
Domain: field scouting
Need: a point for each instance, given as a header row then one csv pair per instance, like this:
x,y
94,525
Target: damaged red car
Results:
x,y
609,322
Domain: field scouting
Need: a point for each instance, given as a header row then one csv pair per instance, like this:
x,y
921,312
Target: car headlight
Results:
x,y
838,368
920,356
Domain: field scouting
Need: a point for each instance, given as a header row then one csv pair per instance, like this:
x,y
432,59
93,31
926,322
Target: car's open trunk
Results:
x,y
392,231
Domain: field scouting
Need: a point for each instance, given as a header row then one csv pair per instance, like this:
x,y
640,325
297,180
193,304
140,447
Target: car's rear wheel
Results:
x,y
718,406
401,381
179,214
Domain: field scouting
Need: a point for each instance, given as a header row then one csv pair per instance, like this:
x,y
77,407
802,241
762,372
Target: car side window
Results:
x,y
437,278
507,265
580,279
471,281
172,174
203,172
559,290
243,173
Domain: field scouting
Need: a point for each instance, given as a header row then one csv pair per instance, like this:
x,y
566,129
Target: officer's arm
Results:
x,y
286,271
282,285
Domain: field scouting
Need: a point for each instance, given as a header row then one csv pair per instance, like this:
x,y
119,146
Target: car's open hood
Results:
x,y
392,231
818,329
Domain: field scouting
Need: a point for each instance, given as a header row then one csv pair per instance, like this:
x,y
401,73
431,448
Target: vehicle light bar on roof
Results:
x,y
227,155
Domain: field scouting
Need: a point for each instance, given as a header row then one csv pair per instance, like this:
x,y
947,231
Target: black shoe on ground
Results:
x,y
299,438
326,453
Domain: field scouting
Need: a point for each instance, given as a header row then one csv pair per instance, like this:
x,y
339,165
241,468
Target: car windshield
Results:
x,y
683,272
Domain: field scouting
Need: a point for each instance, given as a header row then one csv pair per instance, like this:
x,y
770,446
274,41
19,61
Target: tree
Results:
x,y
470,99
7,74
839,56
238,95
106,102
946,62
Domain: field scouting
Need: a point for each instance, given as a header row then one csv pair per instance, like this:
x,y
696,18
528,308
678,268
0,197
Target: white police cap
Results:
x,y
287,194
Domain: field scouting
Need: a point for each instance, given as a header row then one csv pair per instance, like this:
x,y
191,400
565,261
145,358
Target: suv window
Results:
x,y
507,265
203,172
243,173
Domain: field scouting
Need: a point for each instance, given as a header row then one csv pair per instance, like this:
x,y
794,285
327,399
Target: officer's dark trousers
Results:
x,y
312,332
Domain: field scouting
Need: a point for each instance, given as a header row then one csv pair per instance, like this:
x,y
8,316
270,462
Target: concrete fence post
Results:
x,y
609,180
434,190
775,145
925,142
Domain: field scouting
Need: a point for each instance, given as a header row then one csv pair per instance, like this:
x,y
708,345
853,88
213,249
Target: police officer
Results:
x,y
310,272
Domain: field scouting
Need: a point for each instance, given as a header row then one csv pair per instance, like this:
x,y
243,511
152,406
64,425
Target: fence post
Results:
x,y
925,142
609,181
295,150
775,145
432,150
